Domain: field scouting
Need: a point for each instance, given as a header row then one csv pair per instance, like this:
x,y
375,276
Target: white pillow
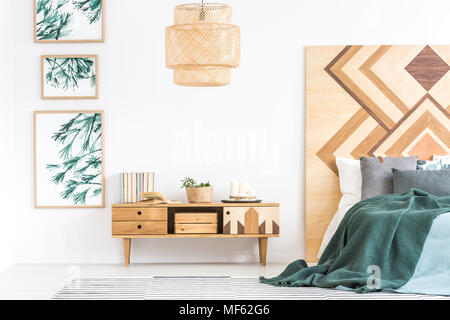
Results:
x,y
444,161
350,181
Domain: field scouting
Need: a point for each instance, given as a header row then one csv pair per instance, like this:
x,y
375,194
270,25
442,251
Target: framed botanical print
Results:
x,y
68,159
69,77
69,20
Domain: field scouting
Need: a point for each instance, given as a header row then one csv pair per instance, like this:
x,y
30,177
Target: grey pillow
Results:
x,y
436,182
377,175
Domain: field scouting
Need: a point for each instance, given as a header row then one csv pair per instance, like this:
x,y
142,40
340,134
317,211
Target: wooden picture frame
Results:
x,y
53,88
99,21
64,181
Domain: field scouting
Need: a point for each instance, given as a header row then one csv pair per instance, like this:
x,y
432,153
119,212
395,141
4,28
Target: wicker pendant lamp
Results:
x,y
202,46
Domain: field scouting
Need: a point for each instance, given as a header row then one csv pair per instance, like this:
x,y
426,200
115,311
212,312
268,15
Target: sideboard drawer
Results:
x,y
251,220
195,228
139,227
124,214
196,217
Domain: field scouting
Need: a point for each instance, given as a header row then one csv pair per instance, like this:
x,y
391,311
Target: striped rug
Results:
x,y
208,288
104,288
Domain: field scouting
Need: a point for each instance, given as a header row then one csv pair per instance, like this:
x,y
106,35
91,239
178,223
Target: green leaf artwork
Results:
x,y
68,20
66,73
54,24
91,8
79,169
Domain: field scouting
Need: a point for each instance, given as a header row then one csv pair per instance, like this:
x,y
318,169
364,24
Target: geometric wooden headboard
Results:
x,y
369,101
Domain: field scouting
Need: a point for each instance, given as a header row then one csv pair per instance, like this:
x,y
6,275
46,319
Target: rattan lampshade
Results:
x,y
202,46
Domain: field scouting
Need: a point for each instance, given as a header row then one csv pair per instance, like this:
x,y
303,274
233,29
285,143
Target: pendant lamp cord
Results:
x,y
202,13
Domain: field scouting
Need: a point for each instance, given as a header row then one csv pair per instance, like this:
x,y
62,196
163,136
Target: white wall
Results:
x,y
153,125
6,141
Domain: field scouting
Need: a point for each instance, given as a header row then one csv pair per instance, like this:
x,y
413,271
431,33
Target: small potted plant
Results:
x,y
197,192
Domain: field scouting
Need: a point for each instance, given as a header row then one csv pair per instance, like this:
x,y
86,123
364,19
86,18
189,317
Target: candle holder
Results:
x,y
240,198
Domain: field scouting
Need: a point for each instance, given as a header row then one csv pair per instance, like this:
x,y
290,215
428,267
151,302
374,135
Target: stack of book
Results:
x,y
132,184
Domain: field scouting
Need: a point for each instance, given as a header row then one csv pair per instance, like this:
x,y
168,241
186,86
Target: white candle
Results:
x,y
243,188
234,188
251,193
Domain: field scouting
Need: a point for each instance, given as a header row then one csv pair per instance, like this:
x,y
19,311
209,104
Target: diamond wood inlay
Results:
x,y
427,68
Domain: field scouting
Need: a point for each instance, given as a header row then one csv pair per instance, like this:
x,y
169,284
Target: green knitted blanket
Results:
x,y
376,246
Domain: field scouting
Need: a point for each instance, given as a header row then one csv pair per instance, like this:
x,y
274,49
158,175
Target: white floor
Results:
x,y
42,281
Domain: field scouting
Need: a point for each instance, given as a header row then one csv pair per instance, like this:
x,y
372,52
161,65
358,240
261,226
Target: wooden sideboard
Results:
x,y
196,220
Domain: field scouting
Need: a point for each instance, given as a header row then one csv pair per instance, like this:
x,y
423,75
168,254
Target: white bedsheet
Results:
x,y
334,224
432,274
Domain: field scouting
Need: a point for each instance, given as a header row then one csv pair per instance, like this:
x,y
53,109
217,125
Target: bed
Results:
x,y
388,106
369,101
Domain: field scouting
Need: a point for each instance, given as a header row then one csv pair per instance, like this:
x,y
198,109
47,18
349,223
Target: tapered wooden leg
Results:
x,y
262,250
126,250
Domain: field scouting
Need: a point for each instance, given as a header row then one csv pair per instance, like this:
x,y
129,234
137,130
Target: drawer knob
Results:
x,y
139,213
228,212
139,226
